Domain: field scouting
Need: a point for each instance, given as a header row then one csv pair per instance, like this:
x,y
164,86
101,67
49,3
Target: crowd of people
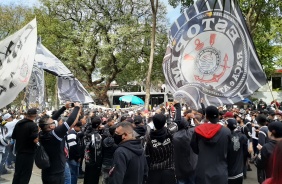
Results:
x,y
167,145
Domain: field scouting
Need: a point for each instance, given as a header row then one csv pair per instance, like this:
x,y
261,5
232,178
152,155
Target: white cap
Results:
x,y
6,116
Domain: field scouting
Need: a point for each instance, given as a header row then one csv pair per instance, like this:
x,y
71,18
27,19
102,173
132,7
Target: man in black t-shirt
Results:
x,y
25,134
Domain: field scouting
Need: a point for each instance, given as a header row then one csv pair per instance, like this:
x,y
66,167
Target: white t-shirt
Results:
x,y
10,126
254,133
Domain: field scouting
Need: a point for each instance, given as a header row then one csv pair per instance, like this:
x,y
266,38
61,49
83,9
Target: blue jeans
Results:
x,y
74,170
67,174
105,174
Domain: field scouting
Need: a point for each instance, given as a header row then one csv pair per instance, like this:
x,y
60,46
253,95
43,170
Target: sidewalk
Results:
x,y
36,177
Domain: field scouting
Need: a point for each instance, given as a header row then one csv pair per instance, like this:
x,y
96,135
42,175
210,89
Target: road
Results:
x,y
36,177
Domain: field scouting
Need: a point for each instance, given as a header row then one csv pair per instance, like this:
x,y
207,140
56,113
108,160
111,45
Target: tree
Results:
x,y
93,37
154,7
264,20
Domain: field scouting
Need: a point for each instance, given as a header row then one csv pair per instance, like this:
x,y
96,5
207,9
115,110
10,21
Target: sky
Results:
x,y
172,14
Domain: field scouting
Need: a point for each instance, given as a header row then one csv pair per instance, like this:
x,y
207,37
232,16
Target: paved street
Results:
x,y
36,179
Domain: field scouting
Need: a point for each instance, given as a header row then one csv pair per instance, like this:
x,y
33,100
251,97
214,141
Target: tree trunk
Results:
x,y
153,38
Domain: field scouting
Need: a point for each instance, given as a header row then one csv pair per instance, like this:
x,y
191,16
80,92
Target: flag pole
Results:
x,y
272,94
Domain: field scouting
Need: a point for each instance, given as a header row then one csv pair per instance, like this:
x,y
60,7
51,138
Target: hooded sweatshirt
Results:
x,y
24,133
140,130
108,150
210,142
184,158
129,165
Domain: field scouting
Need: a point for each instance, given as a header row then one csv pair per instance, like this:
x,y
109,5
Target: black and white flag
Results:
x,y
35,94
69,87
211,55
16,61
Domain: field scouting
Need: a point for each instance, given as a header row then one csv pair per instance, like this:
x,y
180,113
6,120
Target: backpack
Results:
x,y
93,150
41,158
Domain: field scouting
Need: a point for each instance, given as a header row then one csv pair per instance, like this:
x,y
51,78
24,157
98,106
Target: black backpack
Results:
x,y
93,150
41,158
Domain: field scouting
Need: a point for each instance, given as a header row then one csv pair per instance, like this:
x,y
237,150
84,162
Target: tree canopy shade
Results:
x,y
264,20
100,42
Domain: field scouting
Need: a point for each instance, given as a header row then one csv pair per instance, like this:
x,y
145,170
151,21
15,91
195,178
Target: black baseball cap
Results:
x,y
159,121
276,129
212,114
31,112
138,120
231,123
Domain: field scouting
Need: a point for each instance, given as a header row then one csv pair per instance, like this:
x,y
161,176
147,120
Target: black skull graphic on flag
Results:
x,y
211,55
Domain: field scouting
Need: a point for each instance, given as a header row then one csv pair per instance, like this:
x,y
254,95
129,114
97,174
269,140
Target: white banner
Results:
x,y
16,61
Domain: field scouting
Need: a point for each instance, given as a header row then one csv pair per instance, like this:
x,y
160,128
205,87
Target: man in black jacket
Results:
x,y
129,165
210,141
184,157
25,133
52,139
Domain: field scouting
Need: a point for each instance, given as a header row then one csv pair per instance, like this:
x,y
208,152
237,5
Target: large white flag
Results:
x,y
69,87
16,61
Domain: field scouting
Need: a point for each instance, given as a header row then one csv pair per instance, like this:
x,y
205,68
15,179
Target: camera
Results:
x,y
72,104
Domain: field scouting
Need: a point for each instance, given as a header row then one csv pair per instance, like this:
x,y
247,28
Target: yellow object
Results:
x,y
209,14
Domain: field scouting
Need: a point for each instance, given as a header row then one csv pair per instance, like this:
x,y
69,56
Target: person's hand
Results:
x,y
83,120
68,104
259,147
202,100
36,140
250,150
77,104
191,115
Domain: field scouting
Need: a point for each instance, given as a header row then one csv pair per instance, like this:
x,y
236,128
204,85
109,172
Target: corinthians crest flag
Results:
x,y
211,55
